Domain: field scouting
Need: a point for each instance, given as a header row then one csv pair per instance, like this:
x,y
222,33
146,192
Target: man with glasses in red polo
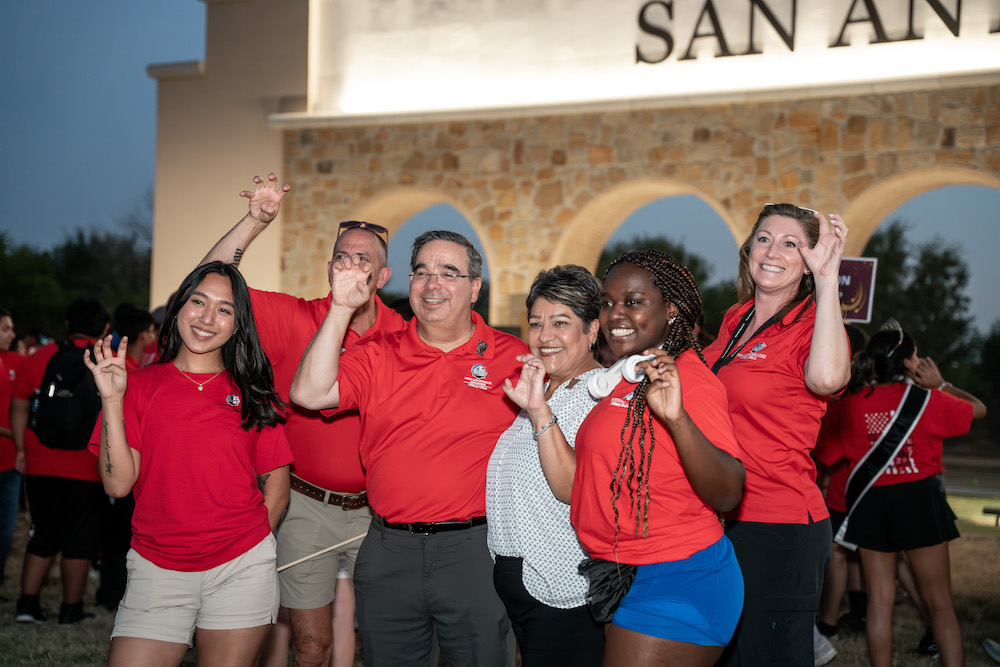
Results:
x,y
432,407
328,505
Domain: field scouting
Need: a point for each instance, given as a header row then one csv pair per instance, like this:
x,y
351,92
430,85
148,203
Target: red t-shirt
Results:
x,y
830,452
680,523
775,416
10,362
39,459
326,448
861,418
149,355
429,419
197,505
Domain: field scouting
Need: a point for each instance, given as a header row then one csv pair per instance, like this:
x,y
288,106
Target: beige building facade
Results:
x,y
544,183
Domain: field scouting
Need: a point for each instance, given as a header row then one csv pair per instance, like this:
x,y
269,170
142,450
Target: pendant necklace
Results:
x,y
201,385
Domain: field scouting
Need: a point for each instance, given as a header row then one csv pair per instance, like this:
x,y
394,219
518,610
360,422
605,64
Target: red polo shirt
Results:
x,y
429,419
39,459
325,447
775,416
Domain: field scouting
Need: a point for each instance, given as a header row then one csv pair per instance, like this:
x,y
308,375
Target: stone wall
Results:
x,y
552,189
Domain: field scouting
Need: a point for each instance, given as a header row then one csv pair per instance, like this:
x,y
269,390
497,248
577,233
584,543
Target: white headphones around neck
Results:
x,y
602,384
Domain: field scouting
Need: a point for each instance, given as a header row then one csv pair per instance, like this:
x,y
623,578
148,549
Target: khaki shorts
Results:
x,y
307,527
167,605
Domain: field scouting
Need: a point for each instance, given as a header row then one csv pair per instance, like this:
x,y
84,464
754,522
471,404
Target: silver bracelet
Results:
x,y
545,428
945,384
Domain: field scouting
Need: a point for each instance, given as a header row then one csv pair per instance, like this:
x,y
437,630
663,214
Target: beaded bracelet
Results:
x,y
547,426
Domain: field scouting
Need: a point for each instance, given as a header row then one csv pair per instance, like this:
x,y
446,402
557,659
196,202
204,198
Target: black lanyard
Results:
x,y
728,354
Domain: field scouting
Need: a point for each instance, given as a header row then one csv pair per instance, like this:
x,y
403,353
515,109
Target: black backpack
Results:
x,y
65,408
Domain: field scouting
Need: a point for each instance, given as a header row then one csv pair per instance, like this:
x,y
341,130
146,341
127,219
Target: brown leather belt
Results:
x,y
345,501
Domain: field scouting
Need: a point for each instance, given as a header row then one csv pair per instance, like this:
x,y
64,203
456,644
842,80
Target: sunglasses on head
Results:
x,y
378,230
808,210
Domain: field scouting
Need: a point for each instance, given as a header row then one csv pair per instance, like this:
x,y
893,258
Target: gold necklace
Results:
x,y
201,385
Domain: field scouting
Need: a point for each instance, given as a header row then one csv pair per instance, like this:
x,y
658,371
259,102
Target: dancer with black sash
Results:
x,y
891,424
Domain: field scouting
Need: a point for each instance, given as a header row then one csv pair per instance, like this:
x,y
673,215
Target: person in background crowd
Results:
x,y
65,497
10,476
891,425
781,352
432,408
535,548
137,326
659,519
328,505
199,437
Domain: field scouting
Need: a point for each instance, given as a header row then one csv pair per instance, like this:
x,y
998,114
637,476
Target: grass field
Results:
x,y
975,576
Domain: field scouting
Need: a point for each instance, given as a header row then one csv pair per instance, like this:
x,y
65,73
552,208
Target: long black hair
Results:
x,y
242,355
882,361
677,285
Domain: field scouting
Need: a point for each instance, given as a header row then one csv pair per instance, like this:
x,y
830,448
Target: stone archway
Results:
x,y
871,208
585,237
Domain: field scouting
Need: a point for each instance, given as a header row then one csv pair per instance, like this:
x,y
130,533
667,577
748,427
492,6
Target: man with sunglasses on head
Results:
x,y
432,407
328,504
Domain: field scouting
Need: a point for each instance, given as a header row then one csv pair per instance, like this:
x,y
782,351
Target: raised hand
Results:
x,y
266,198
664,393
109,372
924,372
824,258
349,286
529,393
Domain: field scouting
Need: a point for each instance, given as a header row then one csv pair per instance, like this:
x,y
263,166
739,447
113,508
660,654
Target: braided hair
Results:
x,y
677,285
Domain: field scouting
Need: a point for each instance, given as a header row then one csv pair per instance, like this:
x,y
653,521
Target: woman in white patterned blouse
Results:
x,y
535,547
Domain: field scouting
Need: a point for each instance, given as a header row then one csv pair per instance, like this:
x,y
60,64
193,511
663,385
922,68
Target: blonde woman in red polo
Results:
x,y
781,352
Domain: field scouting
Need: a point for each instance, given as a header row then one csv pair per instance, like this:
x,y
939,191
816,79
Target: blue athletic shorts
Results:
x,y
697,600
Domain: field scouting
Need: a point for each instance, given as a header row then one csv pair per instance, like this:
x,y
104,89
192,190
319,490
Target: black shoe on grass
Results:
x,y
72,613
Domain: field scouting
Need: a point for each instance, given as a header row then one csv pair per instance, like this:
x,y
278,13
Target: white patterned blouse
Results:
x,y
524,519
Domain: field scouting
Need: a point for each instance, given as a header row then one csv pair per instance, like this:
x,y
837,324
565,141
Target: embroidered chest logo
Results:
x,y
755,353
233,400
477,377
481,349
619,402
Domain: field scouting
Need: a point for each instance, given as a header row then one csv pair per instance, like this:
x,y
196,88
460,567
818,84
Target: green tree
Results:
x,y
113,266
924,289
716,297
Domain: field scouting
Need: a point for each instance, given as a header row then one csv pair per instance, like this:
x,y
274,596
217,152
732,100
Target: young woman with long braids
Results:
x,y
905,508
660,515
199,438
781,352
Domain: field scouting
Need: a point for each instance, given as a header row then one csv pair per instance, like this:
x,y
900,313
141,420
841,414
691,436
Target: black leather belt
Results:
x,y
431,528
345,501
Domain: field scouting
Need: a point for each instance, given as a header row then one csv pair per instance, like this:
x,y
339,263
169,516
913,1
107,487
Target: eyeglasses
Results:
x,y
448,277
378,230
808,210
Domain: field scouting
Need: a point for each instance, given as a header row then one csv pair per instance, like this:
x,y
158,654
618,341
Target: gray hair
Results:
x,y
475,259
572,286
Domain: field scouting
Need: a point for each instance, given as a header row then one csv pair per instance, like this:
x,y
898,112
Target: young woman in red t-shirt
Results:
x,y
660,515
199,438
905,509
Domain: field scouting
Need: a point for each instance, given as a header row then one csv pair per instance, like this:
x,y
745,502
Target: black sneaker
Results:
x,y
72,613
928,645
828,631
29,610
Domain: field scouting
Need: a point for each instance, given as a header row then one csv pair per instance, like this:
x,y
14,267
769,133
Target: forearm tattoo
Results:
x,y
262,480
107,448
237,256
